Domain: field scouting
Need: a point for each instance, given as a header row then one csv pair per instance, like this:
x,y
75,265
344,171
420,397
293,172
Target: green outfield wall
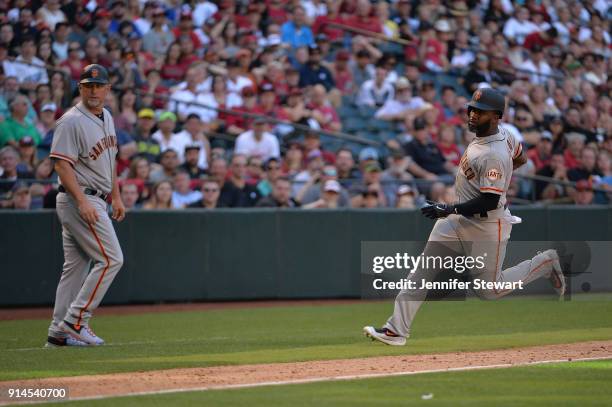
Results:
x,y
245,254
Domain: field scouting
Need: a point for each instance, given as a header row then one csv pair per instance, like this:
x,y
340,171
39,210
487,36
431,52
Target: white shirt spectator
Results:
x,y
207,99
182,200
203,87
537,74
517,30
203,11
265,148
202,160
26,72
514,130
177,142
241,83
371,95
394,106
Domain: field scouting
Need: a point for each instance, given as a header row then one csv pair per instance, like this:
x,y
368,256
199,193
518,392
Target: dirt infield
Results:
x,y
14,314
280,373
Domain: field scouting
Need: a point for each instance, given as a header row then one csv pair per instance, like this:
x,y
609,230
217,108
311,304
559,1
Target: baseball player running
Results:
x,y
84,149
479,223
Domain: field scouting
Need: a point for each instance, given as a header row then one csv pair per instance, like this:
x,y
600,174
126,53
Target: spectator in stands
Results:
x,y
345,166
312,190
272,170
395,175
361,68
426,154
403,104
192,158
210,195
20,197
322,111
370,185
517,28
330,198
544,39
27,155
17,126
236,193
258,141
218,170
433,48
9,159
587,167
480,73
584,194
193,134
161,196
166,137
280,196
535,68
46,122
405,197
375,92
220,98
158,38
314,166
27,68
146,145
557,171
183,195
293,162
314,73
541,154
129,195
169,164
575,144
604,166
296,33
447,144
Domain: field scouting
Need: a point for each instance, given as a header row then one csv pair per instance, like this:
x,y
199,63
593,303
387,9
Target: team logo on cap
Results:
x,y
94,73
477,94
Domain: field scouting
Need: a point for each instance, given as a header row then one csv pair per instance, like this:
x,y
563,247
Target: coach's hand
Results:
x,y
435,210
118,210
88,212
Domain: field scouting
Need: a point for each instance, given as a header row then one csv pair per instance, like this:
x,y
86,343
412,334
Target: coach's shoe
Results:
x,y
557,279
53,342
83,333
384,335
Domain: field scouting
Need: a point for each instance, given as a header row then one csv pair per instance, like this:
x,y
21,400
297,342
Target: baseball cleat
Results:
x,y
384,335
53,342
82,333
557,279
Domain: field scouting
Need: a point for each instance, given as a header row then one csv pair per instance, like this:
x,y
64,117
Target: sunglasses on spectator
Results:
x,y
211,190
521,118
273,167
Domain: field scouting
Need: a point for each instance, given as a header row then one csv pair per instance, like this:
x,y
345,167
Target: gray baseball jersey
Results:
x,y
89,144
486,166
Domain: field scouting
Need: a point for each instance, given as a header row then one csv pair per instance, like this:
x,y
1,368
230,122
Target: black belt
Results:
x,y
88,191
484,214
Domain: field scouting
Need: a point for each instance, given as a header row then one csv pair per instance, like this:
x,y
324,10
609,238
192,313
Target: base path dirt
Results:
x,y
279,373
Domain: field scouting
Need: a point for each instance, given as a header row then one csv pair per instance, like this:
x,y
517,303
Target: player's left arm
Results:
x,y
519,160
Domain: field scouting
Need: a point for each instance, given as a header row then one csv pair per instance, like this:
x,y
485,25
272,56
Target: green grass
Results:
x,y
562,384
284,334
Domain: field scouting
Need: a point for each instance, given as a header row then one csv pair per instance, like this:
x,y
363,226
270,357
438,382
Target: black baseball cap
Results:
x,y
94,73
488,99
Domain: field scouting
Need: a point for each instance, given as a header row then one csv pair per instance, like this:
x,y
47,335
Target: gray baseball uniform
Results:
x,y
89,144
486,167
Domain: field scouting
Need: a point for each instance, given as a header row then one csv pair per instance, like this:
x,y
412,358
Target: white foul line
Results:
x,y
323,379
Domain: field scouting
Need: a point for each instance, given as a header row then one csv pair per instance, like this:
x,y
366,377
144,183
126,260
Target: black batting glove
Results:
x,y
435,210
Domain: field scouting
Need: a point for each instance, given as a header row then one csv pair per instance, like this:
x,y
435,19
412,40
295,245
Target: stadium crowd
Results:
x,y
309,103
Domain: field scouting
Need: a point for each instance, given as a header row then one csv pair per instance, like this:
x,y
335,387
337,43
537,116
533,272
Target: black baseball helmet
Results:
x,y
94,73
488,99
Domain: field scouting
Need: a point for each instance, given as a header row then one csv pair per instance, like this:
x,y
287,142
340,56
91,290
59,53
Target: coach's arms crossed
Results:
x,y
481,204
